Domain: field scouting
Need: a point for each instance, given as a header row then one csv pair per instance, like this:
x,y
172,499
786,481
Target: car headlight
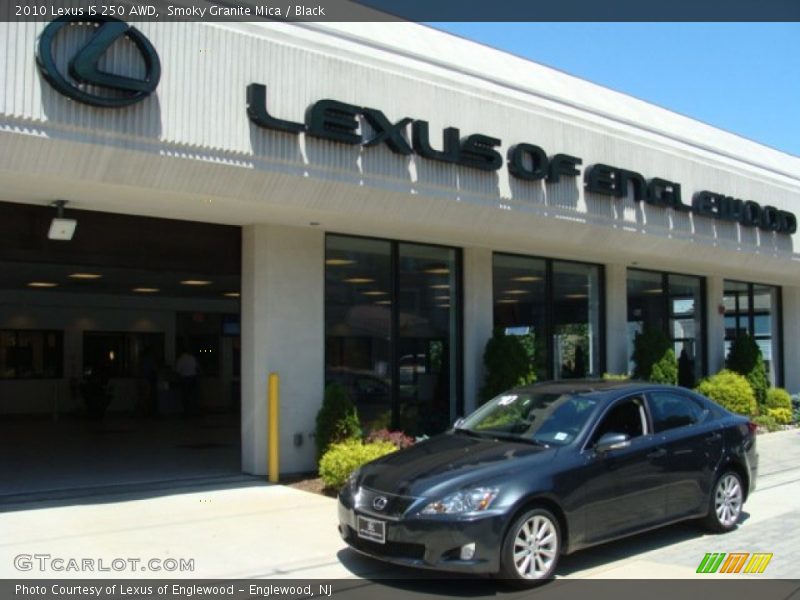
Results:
x,y
465,501
352,481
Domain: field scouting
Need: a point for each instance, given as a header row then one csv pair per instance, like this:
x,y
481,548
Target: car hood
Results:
x,y
449,461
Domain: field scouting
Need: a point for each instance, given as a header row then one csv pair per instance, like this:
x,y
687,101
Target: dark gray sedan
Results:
x,y
549,469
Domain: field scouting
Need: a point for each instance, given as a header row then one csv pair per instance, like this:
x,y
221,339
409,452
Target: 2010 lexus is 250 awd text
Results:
x,y
549,469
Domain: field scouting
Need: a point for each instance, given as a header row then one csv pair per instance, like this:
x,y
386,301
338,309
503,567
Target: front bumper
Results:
x,y
429,543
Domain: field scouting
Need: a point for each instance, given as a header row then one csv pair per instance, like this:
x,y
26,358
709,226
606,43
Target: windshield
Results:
x,y
551,419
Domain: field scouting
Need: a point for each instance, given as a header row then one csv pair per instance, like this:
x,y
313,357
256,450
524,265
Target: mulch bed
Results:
x,y
308,482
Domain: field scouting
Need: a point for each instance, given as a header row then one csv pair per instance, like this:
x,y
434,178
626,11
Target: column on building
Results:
x,y
478,320
791,338
283,331
715,323
617,351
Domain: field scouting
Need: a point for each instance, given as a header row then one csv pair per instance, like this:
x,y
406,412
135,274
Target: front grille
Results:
x,y
389,549
395,507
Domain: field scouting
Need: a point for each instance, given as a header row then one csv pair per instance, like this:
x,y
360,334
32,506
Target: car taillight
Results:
x,y
752,427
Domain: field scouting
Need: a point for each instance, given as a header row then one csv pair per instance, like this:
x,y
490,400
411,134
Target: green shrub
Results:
x,y
745,357
337,420
731,390
653,357
343,458
782,416
665,370
779,398
616,376
766,422
508,364
796,408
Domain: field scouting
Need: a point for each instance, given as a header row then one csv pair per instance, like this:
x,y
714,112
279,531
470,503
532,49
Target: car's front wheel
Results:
x,y
531,548
727,499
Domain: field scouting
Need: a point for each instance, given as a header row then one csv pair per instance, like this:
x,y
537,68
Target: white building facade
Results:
x,y
403,192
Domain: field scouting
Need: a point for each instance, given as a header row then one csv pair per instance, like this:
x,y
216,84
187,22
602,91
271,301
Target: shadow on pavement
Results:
x,y
124,492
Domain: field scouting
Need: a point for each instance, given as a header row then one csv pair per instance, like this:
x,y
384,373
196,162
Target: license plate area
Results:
x,y
371,529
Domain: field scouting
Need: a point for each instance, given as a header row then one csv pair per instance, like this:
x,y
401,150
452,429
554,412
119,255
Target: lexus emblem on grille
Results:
x,y
379,503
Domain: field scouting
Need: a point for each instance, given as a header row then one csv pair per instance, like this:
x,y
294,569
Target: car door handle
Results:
x,y
657,453
713,437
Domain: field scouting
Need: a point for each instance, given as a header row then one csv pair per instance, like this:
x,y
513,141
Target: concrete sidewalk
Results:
x,y
272,531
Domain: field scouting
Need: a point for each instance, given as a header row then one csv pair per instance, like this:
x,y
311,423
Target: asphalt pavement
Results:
x,y
241,528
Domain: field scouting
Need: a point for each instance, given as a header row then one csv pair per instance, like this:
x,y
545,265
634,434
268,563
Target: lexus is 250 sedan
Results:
x,y
549,469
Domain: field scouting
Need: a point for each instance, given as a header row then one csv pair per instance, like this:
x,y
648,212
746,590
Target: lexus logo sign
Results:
x,y
379,503
85,81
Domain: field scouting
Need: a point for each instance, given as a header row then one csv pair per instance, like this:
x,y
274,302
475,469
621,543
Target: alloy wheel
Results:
x,y
728,500
535,547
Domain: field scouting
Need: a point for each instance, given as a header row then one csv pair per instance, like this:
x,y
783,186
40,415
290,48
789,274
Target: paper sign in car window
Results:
x,y
561,436
506,400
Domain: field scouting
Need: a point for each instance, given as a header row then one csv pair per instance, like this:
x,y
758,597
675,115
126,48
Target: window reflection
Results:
x,y
519,304
358,320
749,309
576,316
426,327
555,306
673,304
385,322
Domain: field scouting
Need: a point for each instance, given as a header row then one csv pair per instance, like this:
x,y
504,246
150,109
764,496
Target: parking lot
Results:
x,y
238,527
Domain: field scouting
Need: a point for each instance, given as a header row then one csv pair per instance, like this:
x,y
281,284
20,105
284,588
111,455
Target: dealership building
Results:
x,y
362,204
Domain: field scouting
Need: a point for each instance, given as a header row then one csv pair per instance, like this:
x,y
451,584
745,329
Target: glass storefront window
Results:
x,y
519,303
391,331
556,306
358,323
576,294
673,304
752,308
427,302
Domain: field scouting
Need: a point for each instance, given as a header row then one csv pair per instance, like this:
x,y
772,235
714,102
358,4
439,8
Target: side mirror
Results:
x,y
612,441
459,422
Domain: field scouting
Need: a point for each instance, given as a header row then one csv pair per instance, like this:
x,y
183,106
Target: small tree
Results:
x,y
653,357
337,420
665,370
507,362
731,390
745,358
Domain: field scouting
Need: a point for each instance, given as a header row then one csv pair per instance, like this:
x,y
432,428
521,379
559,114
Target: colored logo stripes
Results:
x,y
734,562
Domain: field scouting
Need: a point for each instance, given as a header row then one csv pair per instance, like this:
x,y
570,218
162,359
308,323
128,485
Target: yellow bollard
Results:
x,y
273,402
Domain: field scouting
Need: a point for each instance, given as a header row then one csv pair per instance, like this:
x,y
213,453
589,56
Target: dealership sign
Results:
x,y
341,122
88,82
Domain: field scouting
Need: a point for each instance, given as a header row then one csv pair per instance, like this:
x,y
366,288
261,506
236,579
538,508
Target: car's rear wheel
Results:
x,y
727,499
531,548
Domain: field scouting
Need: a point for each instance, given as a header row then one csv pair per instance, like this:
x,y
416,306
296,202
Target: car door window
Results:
x,y
626,416
671,410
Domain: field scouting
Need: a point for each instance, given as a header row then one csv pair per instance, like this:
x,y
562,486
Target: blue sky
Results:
x,y
741,77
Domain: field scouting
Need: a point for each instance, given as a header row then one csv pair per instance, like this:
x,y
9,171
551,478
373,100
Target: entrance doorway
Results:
x,y
119,350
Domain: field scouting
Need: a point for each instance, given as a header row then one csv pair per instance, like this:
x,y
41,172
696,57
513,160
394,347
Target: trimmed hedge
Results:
x,y
767,423
779,398
343,458
731,390
782,416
